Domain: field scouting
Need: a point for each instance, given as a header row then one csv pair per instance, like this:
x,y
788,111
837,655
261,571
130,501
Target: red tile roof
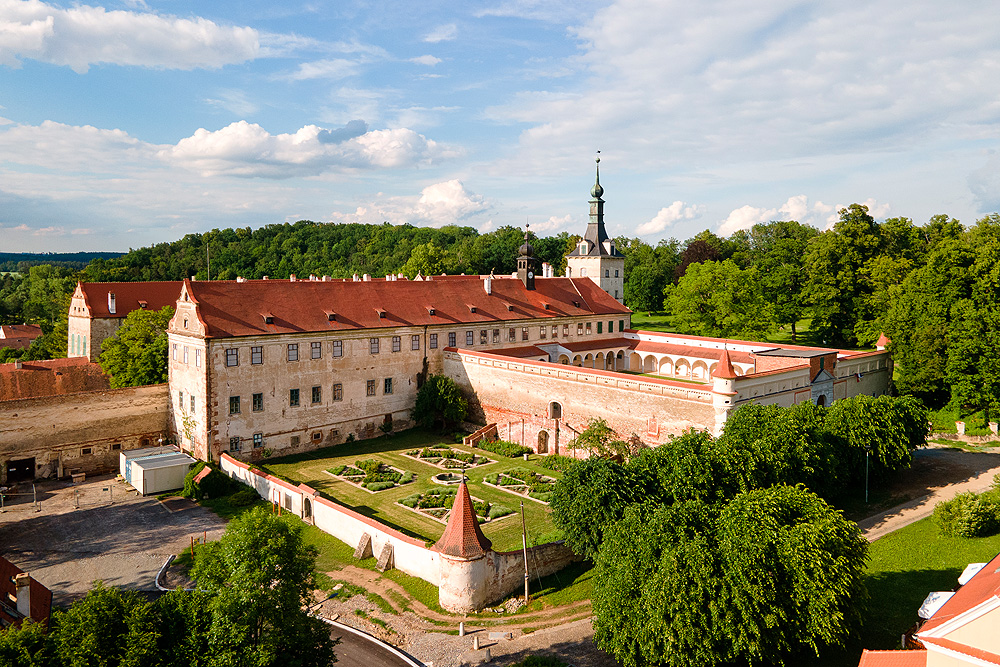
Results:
x,y
51,377
40,603
982,587
462,537
230,308
129,296
725,368
18,336
893,659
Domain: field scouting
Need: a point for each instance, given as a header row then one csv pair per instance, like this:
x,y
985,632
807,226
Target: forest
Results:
x,y
932,288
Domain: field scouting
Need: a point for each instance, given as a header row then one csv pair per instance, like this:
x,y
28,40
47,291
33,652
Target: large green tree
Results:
x,y
260,577
720,299
137,354
439,403
107,628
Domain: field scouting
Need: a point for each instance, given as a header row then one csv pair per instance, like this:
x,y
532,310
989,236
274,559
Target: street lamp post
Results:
x,y
868,451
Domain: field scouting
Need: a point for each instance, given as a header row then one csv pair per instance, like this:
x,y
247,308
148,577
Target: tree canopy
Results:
x,y
137,354
439,403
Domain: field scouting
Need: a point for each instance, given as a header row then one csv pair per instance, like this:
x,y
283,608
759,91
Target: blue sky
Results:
x,y
135,122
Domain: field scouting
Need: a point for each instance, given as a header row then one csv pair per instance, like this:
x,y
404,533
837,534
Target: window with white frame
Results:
x,y
257,355
338,348
414,342
433,341
293,352
373,345
317,349
232,356
397,343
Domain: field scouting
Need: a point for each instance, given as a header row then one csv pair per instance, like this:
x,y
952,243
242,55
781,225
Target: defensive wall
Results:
x,y
81,431
558,400
463,584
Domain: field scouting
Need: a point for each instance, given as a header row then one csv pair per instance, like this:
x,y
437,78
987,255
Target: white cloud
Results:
x,y
82,36
443,33
336,68
428,60
668,216
795,208
439,204
234,101
554,223
247,149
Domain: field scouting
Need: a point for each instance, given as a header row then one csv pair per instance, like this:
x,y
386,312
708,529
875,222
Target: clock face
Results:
x,y
531,274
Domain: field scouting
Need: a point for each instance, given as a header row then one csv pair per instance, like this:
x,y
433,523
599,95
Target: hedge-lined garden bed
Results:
x,y
445,457
372,475
522,482
437,504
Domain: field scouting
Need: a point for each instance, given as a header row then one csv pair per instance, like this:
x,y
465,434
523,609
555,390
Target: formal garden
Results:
x,y
391,479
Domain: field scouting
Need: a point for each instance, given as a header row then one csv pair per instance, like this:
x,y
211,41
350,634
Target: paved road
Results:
x,y
124,544
356,650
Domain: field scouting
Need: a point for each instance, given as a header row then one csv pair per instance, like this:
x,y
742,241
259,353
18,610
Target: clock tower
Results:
x,y
526,263
596,256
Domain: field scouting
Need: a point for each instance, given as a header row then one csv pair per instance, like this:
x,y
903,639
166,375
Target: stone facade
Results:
x,y
96,311
83,431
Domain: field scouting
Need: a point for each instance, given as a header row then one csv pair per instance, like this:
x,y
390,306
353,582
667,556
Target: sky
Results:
x,y
139,121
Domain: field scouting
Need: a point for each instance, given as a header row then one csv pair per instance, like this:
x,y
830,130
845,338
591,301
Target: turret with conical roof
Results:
x,y
596,256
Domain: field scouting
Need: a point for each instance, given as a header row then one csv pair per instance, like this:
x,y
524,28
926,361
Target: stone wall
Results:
x,y
83,431
505,390
505,570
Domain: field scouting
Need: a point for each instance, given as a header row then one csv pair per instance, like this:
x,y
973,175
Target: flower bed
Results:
x,y
504,448
372,475
437,504
447,458
523,483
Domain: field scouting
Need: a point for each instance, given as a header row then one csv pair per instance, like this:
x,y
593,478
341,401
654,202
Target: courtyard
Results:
x,y
317,468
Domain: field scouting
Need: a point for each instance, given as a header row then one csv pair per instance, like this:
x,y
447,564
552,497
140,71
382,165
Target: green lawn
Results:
x,y
668,324
945,418
905,566
505,533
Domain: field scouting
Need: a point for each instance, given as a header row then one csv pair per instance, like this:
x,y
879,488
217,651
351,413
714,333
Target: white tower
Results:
x,y
596,256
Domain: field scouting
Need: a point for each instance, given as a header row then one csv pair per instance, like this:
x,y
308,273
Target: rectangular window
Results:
x,y
470,338
607,273
338,392
234,405
543,331
180,400
611,326
589,330
317,394
434,341
293,351
257,355
293,398
185,354
86,451
555,331
258,440
338,348
414,342
317,349
524,333
616,273
387,386
373,345
232,356
173,351
452,339
579,328
116,447
496,335
258,402
484,336
370,388
192,402
565,331
512,335
600,327
397,343
234,444
197,357
621,325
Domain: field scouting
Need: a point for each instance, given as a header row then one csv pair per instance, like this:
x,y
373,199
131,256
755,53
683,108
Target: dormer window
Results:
x,y
381,314
430,311
472,309
510,307
142,304
331,317
268,318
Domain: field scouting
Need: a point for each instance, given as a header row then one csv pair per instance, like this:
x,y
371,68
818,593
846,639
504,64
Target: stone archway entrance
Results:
x,y
543,442
306,509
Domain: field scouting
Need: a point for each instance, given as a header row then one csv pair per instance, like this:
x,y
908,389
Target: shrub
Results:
x,y
337,471
189,488
969,514
557,462
498,511
217,484
504,448
492,478
244,498
406,477
411,501
379,486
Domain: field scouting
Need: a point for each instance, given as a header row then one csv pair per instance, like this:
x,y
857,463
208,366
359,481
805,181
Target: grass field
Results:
x,y
667,323
905,566
505,533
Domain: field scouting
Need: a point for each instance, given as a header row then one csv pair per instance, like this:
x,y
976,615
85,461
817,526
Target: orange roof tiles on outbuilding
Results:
x,y
231,308
893,659
463,537
51,377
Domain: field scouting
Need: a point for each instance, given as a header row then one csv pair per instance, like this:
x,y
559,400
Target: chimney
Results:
x,y
355,278
312,277
111,302
488,285
326,279
240,279
264,278
22,582
18,364
367,277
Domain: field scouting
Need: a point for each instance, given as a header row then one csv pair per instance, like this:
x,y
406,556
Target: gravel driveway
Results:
x,y
114,535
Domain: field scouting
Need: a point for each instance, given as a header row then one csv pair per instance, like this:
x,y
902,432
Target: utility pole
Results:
x,y
524,546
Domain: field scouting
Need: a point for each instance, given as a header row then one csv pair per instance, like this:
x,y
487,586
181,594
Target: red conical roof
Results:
x,y
883,341
462,537
725,368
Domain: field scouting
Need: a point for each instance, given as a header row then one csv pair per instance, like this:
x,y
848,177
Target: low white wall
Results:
x,y
410,555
